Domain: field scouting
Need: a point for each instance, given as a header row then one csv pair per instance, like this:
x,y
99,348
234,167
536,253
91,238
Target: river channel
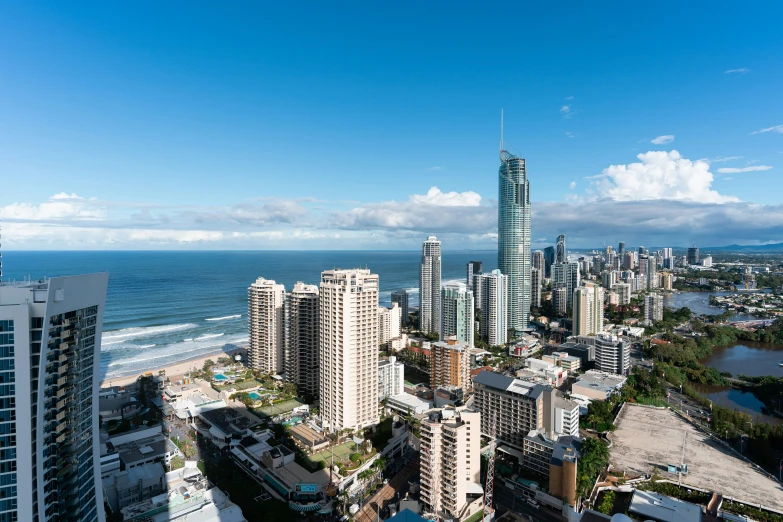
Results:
x,y
699,303
746,358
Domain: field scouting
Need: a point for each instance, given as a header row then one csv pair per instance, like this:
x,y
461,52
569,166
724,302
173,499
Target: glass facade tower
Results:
x,y
514,236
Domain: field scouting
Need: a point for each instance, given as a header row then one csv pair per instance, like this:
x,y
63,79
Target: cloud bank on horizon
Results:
x,y
663,199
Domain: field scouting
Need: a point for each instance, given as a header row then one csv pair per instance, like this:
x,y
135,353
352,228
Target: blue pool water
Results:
x,y
220,377
254,396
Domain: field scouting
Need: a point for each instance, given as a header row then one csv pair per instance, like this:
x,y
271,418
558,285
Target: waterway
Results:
x,y
699,303
745,358
733,398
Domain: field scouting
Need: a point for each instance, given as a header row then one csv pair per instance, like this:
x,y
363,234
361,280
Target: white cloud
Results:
x,y
572,185
566,111
59,206
434,212
447,199
435,168
571,134
741,70
722,159
662,140
776,128
754,168
659,175
569,97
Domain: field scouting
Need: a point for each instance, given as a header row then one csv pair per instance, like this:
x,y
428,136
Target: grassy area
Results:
x,y
341,453
277,409
475,517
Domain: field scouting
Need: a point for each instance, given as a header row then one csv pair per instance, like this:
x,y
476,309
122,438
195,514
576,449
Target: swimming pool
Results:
x,y
219,377
254,396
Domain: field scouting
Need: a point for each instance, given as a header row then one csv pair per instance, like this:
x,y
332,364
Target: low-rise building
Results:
x,y
612,353
653,506
408,404
597,385
134,485
117,403
187,497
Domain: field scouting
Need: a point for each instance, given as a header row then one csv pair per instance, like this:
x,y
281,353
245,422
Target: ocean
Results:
x,y
165,307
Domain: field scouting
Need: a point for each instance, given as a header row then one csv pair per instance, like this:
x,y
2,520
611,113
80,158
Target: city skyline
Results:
x,y
184,139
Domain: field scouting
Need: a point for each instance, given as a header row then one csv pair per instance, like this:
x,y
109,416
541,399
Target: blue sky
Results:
x,y
252,125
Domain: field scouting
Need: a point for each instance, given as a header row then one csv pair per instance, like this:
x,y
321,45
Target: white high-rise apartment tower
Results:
x,y
50,337
388,323
566,275
302,337
653,308
266,326
349,349
450,460
429,286
514,235
588,311
494,308
457,316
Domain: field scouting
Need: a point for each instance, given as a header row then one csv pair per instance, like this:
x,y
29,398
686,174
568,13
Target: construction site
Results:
x,y
657,442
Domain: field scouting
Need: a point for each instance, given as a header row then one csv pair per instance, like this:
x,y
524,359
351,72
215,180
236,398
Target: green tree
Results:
x,y
177,463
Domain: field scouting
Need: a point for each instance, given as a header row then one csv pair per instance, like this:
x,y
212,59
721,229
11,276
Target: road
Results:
x,y
397,484
507,500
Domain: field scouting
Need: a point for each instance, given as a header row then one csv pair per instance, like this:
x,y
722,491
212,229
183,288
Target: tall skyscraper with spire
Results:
x,y
514,234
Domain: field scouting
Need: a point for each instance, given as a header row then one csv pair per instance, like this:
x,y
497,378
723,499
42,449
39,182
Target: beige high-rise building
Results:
x,y
349,348
588,311
302,337
623,293
450,461
388,323
667,279
450,364
266,327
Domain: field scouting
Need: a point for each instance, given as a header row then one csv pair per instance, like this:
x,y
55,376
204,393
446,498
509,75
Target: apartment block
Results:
x,y
653,308
536,276
450,364
666,281
50,341
301,338
348,376
402,298
429,286
391,378
389,320
457,313
588,310
494,308
450,462
520,406
266,326
612,353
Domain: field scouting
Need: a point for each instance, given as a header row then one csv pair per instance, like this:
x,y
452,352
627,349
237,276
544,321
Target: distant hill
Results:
x,y
772,247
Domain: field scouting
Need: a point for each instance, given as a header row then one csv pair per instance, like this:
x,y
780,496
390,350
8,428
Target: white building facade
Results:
x,y
588,310
348,349
266,326
388,323
494,308
391,378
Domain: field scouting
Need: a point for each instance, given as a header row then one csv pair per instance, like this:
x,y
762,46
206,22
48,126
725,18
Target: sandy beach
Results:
x,y
173,371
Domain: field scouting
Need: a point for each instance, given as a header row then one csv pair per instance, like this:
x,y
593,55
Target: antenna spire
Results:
x,y
501,130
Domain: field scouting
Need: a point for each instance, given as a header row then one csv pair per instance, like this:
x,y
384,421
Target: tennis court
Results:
x,y
277,409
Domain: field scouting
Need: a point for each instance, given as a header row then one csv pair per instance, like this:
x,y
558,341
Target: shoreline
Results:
x,y
177,369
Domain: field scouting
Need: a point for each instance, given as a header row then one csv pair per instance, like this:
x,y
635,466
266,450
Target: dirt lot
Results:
x,y
649,438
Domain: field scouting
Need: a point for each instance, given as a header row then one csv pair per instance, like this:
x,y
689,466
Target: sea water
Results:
x,y
164,307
